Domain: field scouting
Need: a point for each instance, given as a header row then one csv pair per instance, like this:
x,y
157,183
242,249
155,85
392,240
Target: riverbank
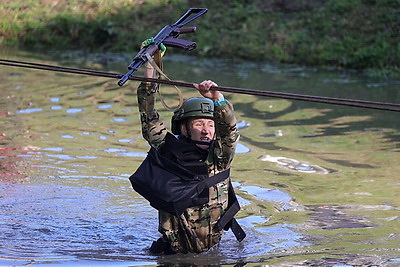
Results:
x,y
356,34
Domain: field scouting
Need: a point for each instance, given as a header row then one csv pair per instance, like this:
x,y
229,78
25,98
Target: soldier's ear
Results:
x,y
183,130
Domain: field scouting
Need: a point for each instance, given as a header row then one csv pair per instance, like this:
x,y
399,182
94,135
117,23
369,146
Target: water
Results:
x,y
317,183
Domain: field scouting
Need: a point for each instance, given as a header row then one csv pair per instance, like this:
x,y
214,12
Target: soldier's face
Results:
x,y
201,129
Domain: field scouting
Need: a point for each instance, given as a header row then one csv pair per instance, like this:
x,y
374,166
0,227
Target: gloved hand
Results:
x,y
149,41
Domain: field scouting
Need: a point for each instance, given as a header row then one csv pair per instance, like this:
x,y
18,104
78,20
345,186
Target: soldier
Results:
x,y
203,140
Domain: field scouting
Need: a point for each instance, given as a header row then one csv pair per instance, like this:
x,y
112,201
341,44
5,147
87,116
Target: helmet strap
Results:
x,y
188,135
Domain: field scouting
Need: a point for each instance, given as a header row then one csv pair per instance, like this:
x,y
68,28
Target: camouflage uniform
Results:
x,y
194,230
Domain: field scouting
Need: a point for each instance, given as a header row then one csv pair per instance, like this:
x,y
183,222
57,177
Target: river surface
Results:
x,y
318,184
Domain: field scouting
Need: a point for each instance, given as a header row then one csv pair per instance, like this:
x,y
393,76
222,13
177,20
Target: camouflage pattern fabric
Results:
x,y
194,230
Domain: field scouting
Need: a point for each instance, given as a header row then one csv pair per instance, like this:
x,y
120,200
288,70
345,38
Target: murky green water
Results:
x,y
318,184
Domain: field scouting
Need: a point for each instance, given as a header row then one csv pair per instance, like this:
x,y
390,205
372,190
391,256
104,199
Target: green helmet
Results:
x,y
192,107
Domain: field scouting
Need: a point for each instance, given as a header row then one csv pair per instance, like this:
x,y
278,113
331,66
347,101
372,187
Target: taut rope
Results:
x,y
310,98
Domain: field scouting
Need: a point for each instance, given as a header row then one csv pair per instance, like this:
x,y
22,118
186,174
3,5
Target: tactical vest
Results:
x,y
176,178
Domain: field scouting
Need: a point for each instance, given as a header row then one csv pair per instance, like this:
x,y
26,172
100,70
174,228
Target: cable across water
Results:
x,y
300,97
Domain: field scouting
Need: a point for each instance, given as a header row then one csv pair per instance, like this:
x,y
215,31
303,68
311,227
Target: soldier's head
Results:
x,y
195,120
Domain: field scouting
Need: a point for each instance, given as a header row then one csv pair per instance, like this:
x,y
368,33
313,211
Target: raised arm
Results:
x,y
227,134
153,129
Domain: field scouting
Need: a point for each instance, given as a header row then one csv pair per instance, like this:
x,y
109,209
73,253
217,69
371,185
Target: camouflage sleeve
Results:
x,y
153,129
227,135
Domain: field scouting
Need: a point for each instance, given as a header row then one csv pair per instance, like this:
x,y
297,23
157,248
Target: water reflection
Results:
x,y
295,165
29,110
74,110
313,180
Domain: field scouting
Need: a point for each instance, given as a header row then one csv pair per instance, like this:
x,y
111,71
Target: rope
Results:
x,y
161,73
318,99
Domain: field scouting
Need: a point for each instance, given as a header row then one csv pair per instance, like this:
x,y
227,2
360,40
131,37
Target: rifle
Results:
x,y
169,37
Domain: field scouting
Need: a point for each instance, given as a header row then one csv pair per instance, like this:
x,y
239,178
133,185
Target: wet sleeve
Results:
x,y
153,129
227,135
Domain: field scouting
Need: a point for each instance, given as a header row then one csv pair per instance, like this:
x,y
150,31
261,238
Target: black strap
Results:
x,y
228,216
202,192
213,180
237,230
227,219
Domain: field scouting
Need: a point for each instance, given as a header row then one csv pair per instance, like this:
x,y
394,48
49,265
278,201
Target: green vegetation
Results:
x,y
357,34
